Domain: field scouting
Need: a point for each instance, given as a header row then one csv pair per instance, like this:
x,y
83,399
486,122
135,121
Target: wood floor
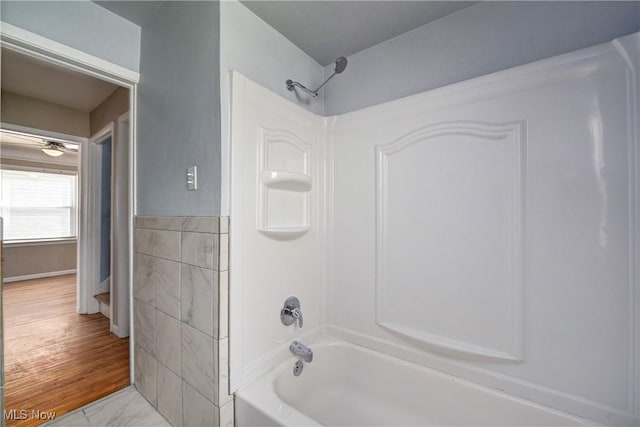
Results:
x,y
57,360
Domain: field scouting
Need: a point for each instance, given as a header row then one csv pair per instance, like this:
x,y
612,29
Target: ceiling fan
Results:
x,y
53,149
47,146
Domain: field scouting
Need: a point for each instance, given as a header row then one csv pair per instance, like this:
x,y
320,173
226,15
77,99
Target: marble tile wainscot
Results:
x,y
180,289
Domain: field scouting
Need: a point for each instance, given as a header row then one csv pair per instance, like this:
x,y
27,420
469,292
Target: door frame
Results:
x,y
53,52
90,234
123,301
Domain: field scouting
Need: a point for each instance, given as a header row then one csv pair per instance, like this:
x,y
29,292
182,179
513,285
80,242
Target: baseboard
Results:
x,y
105,310
38,275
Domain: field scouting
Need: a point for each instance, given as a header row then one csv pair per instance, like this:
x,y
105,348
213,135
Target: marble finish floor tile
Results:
x,y
124,408
73,419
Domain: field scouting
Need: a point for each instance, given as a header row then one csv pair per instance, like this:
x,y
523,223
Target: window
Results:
x,y
38,205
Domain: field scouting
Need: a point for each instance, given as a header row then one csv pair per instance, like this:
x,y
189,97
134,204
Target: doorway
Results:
x,y
61,350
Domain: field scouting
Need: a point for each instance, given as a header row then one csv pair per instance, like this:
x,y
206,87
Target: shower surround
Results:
x,y
487,230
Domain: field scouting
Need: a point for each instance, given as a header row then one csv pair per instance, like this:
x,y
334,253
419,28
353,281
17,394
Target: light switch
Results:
x,y
192,178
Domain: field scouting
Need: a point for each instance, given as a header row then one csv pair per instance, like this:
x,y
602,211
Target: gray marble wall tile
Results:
x,y
222,304
168,341
224,252
160,243
159,222
198,296
200,249
221,371
143,282
126,410
145,374
144,325
166,275
197,361
181,289
224,224
196,410
156,282
169,395
227,415
201,224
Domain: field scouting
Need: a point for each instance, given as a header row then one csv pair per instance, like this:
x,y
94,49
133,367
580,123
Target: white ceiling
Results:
x,y
12,138
37,79
29,148
19,139
326,30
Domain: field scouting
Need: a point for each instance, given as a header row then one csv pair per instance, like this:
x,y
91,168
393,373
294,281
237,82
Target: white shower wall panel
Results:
x,y
489,229
277,224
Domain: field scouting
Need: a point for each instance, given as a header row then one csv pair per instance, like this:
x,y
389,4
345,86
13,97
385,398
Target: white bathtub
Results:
x,y
347,385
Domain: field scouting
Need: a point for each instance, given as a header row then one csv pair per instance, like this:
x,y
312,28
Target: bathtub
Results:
x,y
348,385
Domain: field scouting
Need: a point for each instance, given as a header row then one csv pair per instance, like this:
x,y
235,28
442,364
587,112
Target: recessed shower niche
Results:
x,y
284,184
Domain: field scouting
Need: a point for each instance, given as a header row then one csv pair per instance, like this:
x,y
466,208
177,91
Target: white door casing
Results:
x,y
48,50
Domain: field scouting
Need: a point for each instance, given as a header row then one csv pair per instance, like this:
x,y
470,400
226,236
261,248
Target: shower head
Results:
x,y
340,65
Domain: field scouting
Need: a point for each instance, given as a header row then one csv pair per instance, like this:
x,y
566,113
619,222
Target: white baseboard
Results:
x,y
116,331
38,275
105,310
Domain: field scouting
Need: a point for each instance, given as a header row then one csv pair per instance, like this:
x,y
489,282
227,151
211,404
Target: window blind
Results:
x,y
38,205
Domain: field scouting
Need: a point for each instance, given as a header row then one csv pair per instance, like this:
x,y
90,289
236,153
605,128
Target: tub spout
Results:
x,y
301,351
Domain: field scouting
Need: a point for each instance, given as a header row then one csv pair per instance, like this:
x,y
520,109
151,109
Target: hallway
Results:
x,y
57,360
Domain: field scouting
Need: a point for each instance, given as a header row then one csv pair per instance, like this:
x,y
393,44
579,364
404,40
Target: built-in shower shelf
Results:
x,y
284,233
283,180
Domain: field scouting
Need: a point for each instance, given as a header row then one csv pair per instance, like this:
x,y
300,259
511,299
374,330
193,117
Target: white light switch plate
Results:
x,y
192,178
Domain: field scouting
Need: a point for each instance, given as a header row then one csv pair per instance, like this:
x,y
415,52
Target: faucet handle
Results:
x,y
297,314
290,312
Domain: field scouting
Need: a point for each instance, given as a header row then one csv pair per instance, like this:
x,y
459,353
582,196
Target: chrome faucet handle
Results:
x,y
297,314
290,312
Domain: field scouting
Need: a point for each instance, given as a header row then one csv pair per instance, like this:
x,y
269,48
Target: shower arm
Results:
x,y
325,82
341,64
291,85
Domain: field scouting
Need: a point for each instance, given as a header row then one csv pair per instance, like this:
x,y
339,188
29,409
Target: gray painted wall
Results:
x,y
179,111
252,47
26,260
481,39
82,25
